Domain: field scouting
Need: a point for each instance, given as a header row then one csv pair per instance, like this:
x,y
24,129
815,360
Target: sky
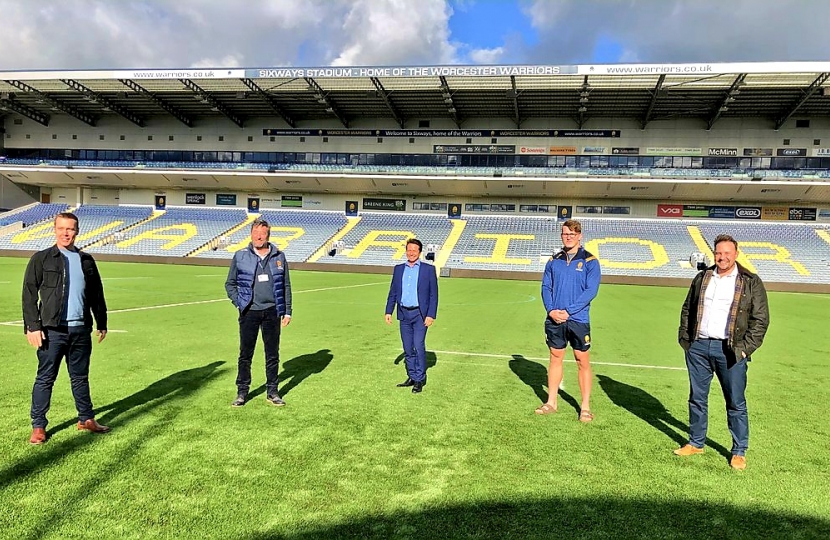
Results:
x,y
102,34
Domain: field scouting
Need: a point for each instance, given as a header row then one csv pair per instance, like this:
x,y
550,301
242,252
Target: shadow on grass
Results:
x,y
432,359
177,386
535,375
574,519
298,369
649,409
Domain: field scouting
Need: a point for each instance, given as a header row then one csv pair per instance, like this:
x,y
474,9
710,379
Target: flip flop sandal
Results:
x,y
585,416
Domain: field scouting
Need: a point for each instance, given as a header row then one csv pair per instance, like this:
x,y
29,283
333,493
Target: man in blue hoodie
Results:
x,y
569,284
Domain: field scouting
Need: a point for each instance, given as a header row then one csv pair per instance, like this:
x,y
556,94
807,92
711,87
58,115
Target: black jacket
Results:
x,y
45,278
747,326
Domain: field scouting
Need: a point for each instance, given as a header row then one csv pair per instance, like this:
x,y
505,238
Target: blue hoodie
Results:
x,y
571,285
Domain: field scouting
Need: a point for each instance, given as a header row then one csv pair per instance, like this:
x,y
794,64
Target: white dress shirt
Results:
x,y
720,293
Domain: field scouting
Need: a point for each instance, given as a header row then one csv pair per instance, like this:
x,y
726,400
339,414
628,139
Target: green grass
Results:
x,y
351,455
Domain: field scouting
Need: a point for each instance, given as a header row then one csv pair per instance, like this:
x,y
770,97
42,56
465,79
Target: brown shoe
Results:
x,y
93,426
738,463
688,450
38,436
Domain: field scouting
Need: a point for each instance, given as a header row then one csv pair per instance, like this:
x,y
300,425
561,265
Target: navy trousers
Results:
x,y
75,344
705,358
250,324
413,337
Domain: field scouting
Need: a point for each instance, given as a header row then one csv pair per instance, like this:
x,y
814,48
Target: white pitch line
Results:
x,y
615,364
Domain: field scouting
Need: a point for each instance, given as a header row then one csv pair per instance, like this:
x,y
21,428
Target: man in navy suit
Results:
x,y
414,290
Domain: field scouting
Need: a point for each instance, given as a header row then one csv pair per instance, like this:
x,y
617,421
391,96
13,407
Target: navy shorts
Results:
x,y
578,334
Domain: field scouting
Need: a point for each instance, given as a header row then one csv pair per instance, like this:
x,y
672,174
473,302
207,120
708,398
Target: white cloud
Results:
x,y
397,32
681,30
487,56
97,34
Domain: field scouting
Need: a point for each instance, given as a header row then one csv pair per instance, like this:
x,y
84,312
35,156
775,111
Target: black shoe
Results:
x,y
240,400
276,400
417,387
407,382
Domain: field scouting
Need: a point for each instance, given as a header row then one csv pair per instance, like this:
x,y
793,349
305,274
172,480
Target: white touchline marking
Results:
x,y
146,308
211,275
125,278
5,282
615,364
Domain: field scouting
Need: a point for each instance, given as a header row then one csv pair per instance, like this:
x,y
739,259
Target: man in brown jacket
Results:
x,y
722,322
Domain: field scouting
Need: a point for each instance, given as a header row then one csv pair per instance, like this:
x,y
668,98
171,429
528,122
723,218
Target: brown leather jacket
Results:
x,y
749,316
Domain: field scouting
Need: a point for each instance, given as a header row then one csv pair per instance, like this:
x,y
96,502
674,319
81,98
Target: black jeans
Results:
x,y
74,343
250,322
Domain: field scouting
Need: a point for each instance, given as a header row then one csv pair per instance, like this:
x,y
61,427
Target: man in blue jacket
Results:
x,y
259,286
570,283
414,290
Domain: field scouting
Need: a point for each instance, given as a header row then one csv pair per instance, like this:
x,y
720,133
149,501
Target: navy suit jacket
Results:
x,y
427,291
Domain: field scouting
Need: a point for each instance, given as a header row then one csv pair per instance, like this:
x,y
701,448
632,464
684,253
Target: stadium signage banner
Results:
x,y
821,152
618,210
722,212
802,214
774,213
669,210
724,152
410,133
194,198
291,201
563,150
225,199
791,152
824,213
474,149
407,71
695,210
537,150
625,151
397,205
748,212
593,149
757,152
658,151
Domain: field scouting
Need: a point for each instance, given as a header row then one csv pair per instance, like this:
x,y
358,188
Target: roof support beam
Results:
x,y
513,93
24,110
55,104
446,94
214,104
269,99
324,99
728,98
166,107
389,105
96,97
808,92
584,93
654,94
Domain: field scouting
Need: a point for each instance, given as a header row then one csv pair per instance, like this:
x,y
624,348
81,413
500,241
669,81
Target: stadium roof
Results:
x,y
303,97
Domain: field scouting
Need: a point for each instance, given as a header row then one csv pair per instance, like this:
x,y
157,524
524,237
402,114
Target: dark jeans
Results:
x,y
705,358
74,343
413,337
250,323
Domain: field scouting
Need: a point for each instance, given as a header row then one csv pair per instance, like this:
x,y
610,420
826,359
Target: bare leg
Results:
x,y
583,363
554,375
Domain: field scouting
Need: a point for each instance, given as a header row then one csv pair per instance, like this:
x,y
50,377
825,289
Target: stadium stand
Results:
x,y
380,238
32,214
298,232
175,232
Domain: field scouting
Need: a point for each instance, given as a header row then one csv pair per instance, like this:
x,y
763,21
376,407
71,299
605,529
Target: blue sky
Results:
x,y
101,34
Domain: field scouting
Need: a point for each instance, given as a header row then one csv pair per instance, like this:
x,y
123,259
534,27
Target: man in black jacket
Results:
x,y
62,291
722,322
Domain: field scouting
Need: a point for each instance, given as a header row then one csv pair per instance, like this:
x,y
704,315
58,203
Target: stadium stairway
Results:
x,y
210,243
351,223
110,238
